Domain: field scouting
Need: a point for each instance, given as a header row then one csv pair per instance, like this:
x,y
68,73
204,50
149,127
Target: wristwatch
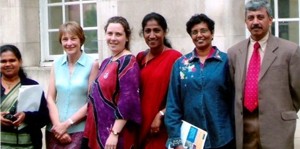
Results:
x,y
71,121
113,132
161,113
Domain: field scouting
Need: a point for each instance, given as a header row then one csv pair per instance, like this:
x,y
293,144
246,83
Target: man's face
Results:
x,y
258,23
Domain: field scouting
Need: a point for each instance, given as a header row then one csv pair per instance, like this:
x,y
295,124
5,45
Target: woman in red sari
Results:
x,y
156,65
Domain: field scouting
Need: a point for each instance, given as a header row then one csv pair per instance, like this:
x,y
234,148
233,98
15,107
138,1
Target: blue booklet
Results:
x,y
192,137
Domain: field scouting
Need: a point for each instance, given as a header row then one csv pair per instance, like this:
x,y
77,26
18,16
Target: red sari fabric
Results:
x,y
155,76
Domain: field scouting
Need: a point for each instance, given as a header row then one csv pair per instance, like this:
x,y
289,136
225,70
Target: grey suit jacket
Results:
x,y
279,91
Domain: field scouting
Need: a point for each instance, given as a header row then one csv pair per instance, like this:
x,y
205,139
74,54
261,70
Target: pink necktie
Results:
x,y
251,85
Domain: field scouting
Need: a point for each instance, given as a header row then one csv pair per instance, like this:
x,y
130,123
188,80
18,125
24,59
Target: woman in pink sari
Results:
x,y
155,64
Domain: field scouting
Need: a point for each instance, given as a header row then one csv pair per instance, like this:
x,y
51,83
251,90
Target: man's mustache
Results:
x,y
256,26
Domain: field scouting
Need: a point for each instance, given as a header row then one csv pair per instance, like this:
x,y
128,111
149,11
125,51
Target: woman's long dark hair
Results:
x,y
17,53
161,22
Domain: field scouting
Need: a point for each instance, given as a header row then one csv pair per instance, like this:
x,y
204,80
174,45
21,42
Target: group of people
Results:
x,y
247,98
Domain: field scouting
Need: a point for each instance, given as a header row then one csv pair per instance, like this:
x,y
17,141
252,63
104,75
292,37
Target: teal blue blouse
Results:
x,y
72,90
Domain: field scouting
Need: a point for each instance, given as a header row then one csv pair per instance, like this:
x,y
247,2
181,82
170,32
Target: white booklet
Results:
x,y
29,99
192,137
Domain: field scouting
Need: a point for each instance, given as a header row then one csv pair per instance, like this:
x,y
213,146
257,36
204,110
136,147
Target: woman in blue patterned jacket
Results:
x,y
200,90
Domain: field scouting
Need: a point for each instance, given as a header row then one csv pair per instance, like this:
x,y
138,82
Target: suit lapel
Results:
x,y
269,56
242,60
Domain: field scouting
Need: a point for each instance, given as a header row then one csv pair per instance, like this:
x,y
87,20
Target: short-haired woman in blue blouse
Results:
x,y
70,78
200,90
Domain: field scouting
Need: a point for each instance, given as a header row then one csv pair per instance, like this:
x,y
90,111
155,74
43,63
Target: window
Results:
x,y
286,19
55,12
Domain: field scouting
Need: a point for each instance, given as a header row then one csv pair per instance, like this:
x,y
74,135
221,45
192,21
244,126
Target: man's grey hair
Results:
x,y
254,5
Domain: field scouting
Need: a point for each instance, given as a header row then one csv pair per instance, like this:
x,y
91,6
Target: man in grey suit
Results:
x,y
267,86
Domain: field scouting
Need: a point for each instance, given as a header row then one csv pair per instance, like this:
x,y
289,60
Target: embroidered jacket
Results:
x,y
201,94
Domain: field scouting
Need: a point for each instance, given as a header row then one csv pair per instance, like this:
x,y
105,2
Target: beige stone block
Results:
x,y
184,45
11,26
29,26
31,53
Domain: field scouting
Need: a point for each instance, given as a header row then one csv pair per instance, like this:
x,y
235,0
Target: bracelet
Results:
x,y
70,121
114,133
161,113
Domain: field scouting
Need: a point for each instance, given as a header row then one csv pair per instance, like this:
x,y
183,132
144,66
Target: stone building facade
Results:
x,y
22,23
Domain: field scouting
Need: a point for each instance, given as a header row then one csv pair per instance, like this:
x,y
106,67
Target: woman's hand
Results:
x,y
156,123
4,121
20,119
112,141
65,139
60,129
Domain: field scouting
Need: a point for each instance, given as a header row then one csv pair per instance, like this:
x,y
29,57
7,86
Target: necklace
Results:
x,y
115,56
148,58
9,85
